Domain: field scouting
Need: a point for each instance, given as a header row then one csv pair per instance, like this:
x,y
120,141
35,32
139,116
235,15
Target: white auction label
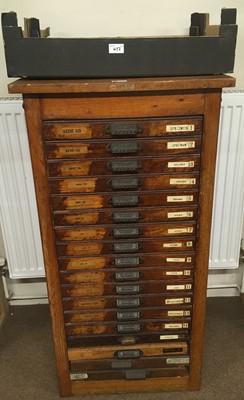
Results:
x,y
180,128
116,48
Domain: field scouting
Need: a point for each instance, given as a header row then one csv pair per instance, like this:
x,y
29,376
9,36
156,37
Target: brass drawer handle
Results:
x,y
124,183
128,302
128,328
124,166
125,232
127,275
125,315
126,216
127,261
126,247
123,200
128,289
123,129
137,353
123,147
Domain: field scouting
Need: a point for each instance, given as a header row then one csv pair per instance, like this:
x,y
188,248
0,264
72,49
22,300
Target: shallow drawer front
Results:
x,y
132,289
127,352
125,247
125,275
154,199
122,364
126,327
143,182
128,261
125,315
139,374
130,231
122,128
127,165
118,216
121,148
127,302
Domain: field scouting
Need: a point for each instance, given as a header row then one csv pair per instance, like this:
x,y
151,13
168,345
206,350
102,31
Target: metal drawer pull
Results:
x,y
130,289
127,275
125,232
123,129
128,328
124,166
127,340
122,200
128,302
123,216
126,247
125,315
135,374
127,261
124,183
123,147
119,364
129,353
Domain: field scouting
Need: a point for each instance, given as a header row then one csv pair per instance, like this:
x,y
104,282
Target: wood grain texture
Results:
x,y
94,274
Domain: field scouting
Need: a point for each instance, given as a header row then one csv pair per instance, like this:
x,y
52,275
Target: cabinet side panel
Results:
x,y
209,147
34,127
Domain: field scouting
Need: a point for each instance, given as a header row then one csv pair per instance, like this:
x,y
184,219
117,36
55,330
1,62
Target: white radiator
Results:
x,y
229,185
18,213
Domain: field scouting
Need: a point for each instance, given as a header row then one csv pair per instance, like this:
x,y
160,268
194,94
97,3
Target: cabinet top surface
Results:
x,y
59,86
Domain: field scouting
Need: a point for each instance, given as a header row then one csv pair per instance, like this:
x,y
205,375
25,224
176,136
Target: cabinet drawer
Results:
x,y
132,289
141,215
182,259
128,247
127,352
123,148
140,374
125,275
121,128
125,315
131,183
154,199
142,362
127,165
126,327
129,231
127,302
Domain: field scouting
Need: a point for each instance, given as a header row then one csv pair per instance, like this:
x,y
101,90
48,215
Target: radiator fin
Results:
x,y
229,185
18,211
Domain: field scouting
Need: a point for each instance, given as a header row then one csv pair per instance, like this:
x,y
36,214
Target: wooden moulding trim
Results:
x,y
120,85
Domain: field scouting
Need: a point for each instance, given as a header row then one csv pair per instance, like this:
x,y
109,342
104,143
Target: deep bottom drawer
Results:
x,y
134,374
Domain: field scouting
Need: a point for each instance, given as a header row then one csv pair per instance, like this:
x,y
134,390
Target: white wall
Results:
x,y
82,18
94,18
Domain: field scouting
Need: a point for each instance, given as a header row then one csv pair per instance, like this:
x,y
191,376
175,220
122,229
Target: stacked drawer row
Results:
x,y
124,197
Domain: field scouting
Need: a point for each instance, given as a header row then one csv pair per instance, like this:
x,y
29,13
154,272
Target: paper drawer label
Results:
x,y
174,301
169,337
178,360
181,164
116,48
174,273
179,199
181,145
180,230
182,181
174,245
178,313
174,259
176,326
175,287
180,128
180,214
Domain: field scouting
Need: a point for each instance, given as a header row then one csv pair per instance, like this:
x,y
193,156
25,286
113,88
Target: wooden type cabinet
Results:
x,y
124,174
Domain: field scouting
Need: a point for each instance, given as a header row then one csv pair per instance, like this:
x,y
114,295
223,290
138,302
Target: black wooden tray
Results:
x,y
207,50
